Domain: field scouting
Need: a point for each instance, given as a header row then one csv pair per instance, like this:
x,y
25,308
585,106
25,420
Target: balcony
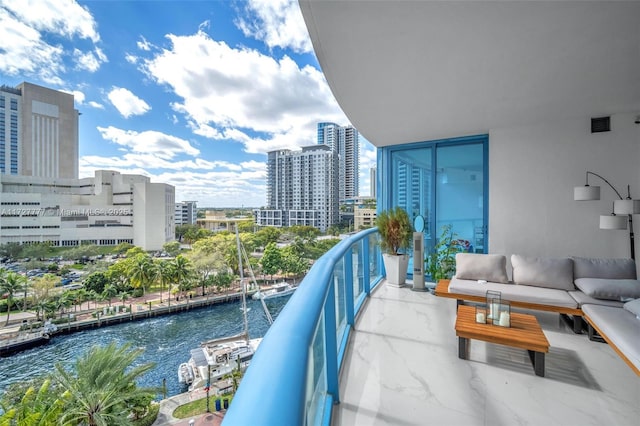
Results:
x,y
350,350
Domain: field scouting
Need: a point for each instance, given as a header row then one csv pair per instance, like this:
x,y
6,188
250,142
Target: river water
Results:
x,y
166,341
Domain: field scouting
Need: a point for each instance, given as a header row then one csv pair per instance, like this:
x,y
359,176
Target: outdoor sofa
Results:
x,y
603,292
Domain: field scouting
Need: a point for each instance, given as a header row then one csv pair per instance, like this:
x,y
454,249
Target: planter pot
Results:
x,y
396,268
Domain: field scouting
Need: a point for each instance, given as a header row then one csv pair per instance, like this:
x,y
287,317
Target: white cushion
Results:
x,y
543,272
477,266
600,288
584,267
633,306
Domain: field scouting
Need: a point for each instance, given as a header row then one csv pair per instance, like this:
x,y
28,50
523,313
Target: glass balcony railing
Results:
x,y
293,378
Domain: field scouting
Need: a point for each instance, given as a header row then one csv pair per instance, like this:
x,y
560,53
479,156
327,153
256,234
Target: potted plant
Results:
x,y
441,262
394,226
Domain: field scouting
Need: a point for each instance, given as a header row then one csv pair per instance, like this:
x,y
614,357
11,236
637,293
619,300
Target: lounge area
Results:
x,y
402,368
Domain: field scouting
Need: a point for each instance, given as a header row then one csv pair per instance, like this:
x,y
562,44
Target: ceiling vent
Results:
x,y
600,124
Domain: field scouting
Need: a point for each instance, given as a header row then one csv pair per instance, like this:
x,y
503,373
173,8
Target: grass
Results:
x,y
199,406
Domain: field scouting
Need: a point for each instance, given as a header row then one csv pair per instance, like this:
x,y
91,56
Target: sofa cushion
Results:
x,y
543,272
620,328
633,306
584,267
609,289
487,267
515,293
584,299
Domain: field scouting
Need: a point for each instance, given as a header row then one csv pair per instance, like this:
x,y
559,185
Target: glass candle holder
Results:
x,y
493,304
504,315
481,314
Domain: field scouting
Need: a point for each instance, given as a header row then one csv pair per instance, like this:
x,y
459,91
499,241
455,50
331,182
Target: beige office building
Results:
x,y
38,132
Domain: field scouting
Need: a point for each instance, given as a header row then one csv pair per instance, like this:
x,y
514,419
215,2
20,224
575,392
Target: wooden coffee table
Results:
x,y
524,333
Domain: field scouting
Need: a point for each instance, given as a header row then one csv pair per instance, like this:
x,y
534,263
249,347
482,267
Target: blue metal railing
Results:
x,y
293,377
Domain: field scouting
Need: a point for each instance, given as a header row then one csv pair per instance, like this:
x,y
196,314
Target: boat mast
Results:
x,y
244,288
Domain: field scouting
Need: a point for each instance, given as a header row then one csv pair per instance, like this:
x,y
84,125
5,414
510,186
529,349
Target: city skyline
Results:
x,y
190,96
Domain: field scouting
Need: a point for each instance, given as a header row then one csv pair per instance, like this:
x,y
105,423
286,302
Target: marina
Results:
x,y
167,341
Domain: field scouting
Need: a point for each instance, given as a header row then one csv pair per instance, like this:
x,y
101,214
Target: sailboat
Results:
x,y
216,358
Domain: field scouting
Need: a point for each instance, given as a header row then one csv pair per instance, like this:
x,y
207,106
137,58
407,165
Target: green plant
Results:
x,y
394,226
441,261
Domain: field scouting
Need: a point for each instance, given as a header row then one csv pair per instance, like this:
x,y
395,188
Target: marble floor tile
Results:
x,y
402,368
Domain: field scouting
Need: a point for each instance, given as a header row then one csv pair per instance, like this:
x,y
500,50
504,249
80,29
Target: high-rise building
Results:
x,y
373,181
43,200
345,141
186,213
302,188
38,132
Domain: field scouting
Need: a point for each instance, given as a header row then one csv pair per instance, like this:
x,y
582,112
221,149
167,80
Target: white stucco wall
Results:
x,y
532,173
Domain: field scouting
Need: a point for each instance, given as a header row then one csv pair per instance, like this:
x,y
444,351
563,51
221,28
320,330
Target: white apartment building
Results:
x,y
38,132
186,213
343,140
108,209
302,188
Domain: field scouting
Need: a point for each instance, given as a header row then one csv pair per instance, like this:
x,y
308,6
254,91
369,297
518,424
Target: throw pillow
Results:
x,y
633,306
584,267
543,272
600,288
477,266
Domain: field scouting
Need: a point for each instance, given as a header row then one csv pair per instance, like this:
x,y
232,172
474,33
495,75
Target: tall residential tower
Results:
x,y
344,140
302,188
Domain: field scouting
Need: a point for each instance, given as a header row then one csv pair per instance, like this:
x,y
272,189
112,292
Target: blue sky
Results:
x,y
190,93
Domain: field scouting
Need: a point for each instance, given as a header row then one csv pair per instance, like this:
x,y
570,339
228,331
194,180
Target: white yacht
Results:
x,y
277,290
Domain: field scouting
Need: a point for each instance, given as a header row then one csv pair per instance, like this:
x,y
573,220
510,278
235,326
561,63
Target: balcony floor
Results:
x,y
402,368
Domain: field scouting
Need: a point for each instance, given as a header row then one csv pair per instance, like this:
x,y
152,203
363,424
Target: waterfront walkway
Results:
x,y
167,407
90,315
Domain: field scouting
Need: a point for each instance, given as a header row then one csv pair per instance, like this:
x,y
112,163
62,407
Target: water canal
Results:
x,y
166,340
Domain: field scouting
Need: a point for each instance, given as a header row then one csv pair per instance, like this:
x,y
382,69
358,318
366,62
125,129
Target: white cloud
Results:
x,y
278,23
95,104
26,30
157,144
132,59
222,184
143,44
89,61
243,95
78,96
127,103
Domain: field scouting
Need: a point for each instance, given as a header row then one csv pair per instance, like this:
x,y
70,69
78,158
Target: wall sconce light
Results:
x,y
623,206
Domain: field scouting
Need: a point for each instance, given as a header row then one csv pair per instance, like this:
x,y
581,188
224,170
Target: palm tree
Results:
x,y
110,291
42,305
164,275
10,283
181,270
141,271
102,385
123,295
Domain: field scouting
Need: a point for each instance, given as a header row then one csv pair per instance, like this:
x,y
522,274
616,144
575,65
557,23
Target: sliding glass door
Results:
x,y
444,182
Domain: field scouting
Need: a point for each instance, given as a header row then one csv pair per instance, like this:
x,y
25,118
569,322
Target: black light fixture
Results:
x,y
623,208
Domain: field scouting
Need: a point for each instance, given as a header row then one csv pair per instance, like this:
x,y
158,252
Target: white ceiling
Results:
x,y
406,71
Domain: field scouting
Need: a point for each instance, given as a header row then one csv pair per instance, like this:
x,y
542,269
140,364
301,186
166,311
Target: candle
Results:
x,y
480,317
504,319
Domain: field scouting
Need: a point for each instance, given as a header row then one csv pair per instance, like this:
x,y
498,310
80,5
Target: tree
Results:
x,y
271,260
110,291
292,263
164,274
182,271
141,271
172,248
205,263
266,235
96,281
102,386
10,283
36,407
